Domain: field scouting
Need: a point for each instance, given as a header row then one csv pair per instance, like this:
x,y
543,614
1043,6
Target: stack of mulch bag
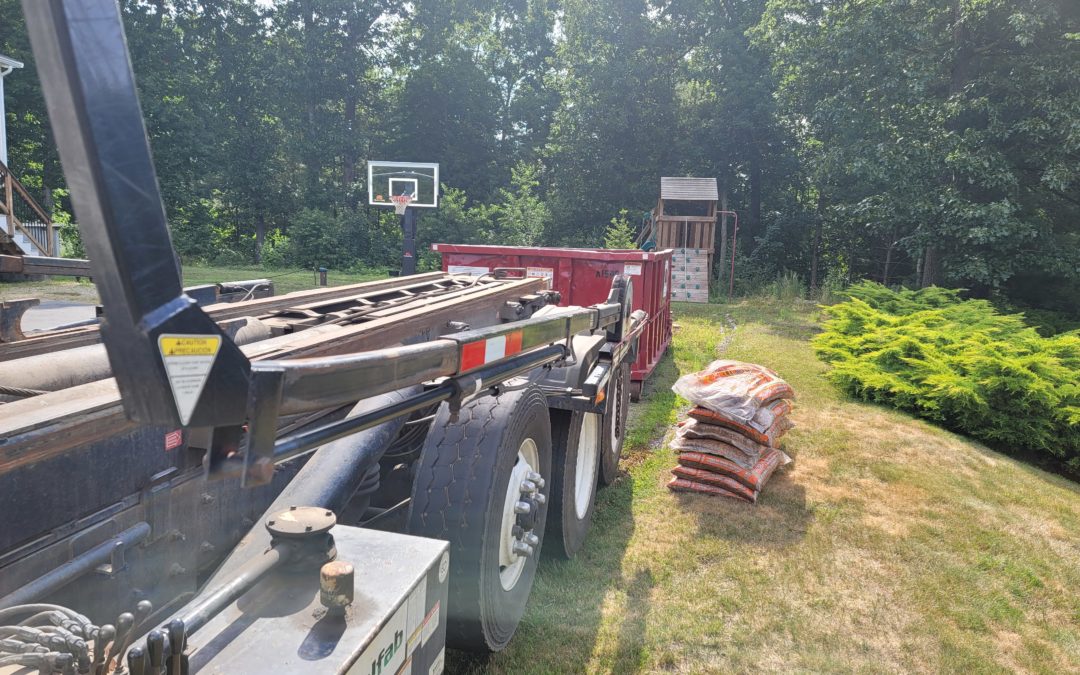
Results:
x,y
730,445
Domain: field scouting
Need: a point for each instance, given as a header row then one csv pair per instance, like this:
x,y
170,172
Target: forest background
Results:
x,y
914,142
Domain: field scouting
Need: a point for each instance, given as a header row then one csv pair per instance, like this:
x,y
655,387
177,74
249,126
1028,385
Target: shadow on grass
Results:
x,y
566,609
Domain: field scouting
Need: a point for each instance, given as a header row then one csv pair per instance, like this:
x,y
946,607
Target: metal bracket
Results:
x,y
11,313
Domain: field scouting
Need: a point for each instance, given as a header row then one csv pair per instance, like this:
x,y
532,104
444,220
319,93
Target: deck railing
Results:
x,y
24,215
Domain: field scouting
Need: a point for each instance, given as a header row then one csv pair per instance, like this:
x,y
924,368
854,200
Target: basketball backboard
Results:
x,y
421,180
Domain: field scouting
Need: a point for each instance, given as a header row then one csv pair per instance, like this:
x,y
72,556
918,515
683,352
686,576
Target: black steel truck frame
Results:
x,y
487,422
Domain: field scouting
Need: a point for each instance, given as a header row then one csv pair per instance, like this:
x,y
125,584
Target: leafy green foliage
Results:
x,y
620,233
959,363
922,142
523,217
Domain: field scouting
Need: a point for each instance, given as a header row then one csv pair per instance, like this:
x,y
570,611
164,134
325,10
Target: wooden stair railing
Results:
x,y
16,201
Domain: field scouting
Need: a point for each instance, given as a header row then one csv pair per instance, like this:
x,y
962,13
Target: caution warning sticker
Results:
x,y
188,360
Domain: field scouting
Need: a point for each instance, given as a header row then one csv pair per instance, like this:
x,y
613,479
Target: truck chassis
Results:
x,y
374,478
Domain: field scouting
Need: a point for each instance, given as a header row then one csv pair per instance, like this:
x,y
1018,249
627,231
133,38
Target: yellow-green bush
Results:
x,y
959,363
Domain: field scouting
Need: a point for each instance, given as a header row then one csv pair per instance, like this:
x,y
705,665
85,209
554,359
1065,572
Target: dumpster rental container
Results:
x,y
583,277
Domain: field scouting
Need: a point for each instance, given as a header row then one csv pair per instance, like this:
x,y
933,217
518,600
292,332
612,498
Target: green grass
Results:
x,y
888,545
285,281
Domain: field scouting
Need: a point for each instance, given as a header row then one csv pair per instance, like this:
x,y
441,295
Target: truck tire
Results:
x,y
469,478
575,440
617,405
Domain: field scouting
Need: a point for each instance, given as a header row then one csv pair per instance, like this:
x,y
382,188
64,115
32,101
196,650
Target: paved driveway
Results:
x,y
53,313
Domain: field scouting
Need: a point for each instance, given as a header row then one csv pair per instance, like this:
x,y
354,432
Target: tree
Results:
x,y
940,126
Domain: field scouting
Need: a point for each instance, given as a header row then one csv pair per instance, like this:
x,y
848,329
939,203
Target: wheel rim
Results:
x,y
585,472
511,564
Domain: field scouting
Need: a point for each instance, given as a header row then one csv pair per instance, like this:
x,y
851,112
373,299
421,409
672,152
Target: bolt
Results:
x,y
528,486
531,539
176,535
177,570
522,549
328,513
539,498
207,498
536,478
271,522
206,547
523,508
308,528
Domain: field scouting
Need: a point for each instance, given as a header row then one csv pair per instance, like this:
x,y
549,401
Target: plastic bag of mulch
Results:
x,y
683,485
710,446
696,429
733,388
733,486
769,436
753,478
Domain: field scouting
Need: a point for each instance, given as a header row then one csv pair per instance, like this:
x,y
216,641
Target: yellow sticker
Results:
x,y
188,360
189,345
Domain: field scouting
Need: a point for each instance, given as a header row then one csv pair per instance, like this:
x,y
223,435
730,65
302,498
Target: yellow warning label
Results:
x,y
193,345
188,360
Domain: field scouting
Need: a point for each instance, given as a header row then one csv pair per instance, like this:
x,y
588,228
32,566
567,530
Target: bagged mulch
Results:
x,y
770,436
736,389
683,485
708,446
692,429
701,476
729,446
754,478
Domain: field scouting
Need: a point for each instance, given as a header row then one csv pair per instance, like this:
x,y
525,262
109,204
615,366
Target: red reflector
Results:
x,y
472,355
513,342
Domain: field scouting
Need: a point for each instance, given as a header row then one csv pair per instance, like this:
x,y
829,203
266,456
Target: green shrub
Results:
x,y
227,257
275,250
315,240
620,233
959,363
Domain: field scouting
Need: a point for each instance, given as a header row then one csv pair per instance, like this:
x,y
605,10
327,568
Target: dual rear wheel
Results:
x,y
492,481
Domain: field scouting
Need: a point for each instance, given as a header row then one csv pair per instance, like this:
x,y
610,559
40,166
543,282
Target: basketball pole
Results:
x,y
408,232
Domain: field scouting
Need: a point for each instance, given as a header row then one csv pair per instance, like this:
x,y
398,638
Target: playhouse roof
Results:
x,y
689,189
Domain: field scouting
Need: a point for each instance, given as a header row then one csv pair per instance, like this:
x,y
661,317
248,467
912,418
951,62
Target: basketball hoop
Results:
x,y
401,202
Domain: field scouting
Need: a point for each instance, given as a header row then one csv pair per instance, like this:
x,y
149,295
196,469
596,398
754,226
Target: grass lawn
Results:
x,y
285,281
888,545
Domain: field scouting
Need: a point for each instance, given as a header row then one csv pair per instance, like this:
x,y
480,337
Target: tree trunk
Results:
x,y
159,14
723,227
260,236
755,194
929,267
348,173
815,253
888,260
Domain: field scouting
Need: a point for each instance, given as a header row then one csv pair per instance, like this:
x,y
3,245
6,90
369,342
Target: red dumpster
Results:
x,y
583,277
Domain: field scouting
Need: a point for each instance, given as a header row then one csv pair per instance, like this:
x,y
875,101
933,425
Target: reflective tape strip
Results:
x,y
482,352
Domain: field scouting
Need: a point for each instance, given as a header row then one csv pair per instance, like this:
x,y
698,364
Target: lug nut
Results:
x,y
536,478
523,508
531,539
539,498
522,549
528,486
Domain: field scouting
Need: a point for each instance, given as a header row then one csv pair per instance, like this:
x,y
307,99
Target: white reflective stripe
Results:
x,y
494,349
